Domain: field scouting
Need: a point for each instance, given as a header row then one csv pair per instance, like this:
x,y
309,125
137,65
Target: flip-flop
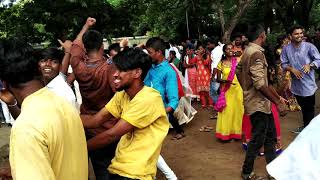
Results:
x,y
178,136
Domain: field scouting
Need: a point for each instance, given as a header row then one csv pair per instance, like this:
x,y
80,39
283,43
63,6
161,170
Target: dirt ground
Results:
x,y
200,156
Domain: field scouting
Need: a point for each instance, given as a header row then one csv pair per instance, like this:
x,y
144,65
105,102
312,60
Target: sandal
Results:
x,y
252,176
206,129
178,136
213,117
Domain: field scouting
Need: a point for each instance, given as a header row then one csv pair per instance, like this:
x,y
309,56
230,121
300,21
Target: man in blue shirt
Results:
x,y
301,58
163,78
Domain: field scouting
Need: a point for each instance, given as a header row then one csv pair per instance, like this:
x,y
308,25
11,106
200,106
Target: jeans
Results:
x,y
101,159
214,91
307,107
175,124
263,134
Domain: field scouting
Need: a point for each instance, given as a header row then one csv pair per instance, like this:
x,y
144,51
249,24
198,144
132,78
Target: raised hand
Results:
x,y
66,45
90,21
124,42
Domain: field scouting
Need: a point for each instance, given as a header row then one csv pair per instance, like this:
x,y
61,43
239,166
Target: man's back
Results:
x,y
47,141
93,78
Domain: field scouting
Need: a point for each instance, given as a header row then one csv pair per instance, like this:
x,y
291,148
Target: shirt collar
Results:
x,y
256,46
161,64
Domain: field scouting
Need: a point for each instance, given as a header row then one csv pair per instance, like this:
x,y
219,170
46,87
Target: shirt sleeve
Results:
x,y
216,55
77,52
143,112
171,89
314,55
114,106
257,70
29,155
284,59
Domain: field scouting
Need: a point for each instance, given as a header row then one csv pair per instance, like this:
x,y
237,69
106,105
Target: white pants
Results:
x,y
6,113
165,169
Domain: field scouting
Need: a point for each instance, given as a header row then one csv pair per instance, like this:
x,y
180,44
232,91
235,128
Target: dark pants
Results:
x,y
117,177
101,159
175,124
307,107
263,134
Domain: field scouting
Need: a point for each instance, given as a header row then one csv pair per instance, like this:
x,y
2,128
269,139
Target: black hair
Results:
x,y
199,43
51,53
211,41
237,35
92,40
18,63
254,31
294,27
280,38
133,58
224,48
115,47
157,44
173,53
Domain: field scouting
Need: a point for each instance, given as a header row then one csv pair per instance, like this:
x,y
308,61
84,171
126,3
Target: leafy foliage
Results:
x,y
46,20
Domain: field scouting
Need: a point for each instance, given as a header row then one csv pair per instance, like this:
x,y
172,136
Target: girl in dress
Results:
x,y
230,102
203,62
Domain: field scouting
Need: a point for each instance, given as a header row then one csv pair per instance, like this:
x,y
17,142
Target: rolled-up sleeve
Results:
x,y
257,71
314,54
172,89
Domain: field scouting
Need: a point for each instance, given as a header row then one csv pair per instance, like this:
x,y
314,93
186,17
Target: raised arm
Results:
x,y
67,55
77,48
90,22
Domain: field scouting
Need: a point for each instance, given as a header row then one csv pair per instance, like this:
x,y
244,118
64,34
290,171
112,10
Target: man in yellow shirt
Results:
x,y
47,141
143,123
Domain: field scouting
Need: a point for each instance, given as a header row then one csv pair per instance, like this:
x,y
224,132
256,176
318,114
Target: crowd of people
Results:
x,y
115,106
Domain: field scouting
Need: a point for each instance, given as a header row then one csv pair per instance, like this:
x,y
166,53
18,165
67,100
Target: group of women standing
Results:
x,y
232,123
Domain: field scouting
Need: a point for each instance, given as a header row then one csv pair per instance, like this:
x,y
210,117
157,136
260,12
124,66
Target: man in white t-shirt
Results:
x,y
216,55
53,66
301,159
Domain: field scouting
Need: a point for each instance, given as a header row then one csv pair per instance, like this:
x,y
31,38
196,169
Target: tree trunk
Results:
x,y
242,6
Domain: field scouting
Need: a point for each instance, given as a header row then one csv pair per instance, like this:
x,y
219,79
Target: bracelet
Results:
x,y
13,105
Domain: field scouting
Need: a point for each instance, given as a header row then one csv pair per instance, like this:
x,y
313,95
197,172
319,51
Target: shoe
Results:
x,y
245,146
252,176
298,130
